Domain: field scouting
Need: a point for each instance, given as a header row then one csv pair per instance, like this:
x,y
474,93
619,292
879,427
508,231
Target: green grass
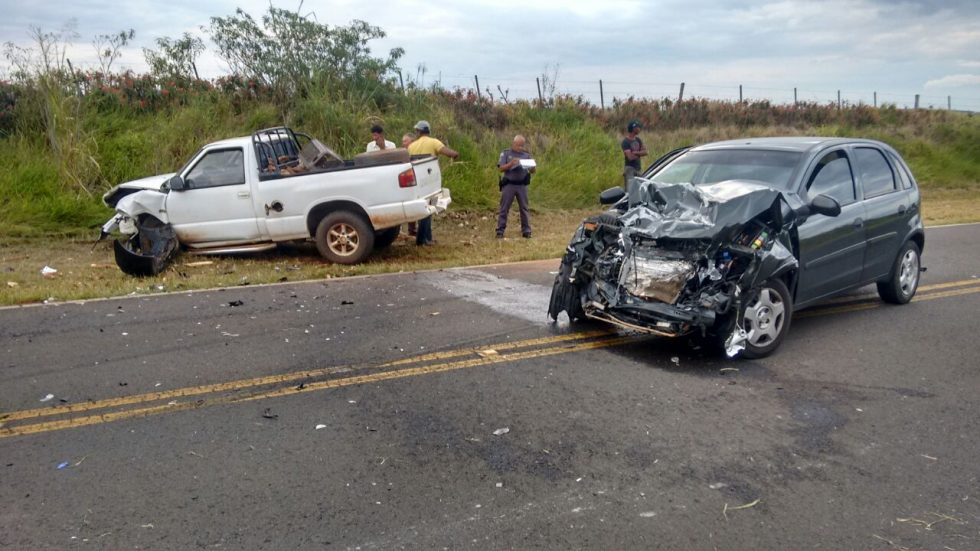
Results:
x,y
576,145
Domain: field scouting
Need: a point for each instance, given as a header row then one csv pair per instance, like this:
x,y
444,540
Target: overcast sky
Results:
x,y
644,48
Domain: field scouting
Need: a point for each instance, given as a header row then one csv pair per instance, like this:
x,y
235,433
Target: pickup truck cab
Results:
x,y
250,193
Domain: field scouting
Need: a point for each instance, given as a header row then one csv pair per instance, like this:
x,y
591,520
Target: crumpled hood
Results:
x,y
686,211
111,197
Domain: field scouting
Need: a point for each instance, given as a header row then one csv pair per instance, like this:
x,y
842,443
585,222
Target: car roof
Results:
x,y
800,144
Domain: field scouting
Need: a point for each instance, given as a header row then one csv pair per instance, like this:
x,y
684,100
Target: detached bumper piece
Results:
x,y
147,252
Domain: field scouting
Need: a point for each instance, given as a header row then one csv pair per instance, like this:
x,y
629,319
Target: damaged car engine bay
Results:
x,y
677,259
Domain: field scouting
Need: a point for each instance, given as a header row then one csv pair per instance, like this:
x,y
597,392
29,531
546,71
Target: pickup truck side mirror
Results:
x,y
611,196
176,184
825,204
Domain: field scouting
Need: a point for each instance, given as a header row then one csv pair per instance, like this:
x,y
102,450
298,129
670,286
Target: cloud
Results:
x,y
954,81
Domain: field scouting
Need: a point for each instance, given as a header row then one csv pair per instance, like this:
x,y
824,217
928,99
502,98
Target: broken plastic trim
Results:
x,y
147,252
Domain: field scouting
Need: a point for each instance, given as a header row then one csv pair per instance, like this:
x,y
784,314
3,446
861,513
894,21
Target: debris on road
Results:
x,y
320,426
724,511
346,302
47,397
269,415
487,353
929,457
235,303
717,485
499,432
648,514
48,271
675,360
63,464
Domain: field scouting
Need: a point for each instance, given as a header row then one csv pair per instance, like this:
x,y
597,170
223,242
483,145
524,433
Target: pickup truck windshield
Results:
x,y
708,167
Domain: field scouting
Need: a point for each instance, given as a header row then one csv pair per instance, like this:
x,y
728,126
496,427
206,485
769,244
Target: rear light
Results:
x,y
407,178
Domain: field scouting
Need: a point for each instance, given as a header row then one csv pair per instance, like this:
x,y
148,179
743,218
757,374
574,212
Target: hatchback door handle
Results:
x,y
244,194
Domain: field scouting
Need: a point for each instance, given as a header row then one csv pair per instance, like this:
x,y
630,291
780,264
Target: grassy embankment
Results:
x,y
45,221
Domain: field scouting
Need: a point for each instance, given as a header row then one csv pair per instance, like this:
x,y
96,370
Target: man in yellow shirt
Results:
x,y
427,145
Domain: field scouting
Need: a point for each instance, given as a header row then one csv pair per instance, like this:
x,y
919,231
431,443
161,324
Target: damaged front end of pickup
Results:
x,y
679,259
147,241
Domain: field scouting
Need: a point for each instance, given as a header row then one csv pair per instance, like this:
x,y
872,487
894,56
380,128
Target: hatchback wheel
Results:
x,y
765,317
901,285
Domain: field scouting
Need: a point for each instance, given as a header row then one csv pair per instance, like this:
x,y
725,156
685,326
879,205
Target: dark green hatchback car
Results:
x,y
727,239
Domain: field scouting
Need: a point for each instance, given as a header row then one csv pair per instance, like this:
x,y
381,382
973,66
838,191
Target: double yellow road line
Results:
x,y
60,417
67,416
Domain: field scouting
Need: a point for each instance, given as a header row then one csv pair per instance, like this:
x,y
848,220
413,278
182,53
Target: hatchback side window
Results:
x,y
218,168
903,174
833,177
876,174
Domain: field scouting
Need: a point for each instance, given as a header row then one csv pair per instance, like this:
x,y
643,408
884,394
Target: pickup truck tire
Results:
x,y
384,238
343,237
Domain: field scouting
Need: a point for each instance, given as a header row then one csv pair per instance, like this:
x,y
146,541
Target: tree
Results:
x,y
108,48
176,57
289,51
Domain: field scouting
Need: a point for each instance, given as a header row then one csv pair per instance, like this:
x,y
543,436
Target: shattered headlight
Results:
x,y
648,276
127,226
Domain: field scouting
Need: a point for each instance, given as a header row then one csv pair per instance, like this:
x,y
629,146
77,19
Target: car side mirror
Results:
x,y
825,205
611,196
176,184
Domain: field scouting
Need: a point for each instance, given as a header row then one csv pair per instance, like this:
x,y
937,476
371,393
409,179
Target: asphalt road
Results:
x,y
442,410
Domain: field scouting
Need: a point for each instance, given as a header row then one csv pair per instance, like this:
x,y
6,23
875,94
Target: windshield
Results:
x,y
708,167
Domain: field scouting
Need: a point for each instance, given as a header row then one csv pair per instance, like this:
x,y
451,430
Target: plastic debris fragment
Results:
x,y
499,432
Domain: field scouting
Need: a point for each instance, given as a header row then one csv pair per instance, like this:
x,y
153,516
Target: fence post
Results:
x,y
876,99
477,80
540,97
740,93
602,99
917,101
402,81
795,102
949,103
838,100
680,96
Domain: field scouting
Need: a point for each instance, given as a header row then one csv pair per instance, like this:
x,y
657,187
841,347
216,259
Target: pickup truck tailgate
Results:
x,y
427,176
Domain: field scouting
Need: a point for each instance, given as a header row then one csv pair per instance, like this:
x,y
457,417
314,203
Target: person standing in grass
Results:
x,y
514,179
378,141
633,149
427,145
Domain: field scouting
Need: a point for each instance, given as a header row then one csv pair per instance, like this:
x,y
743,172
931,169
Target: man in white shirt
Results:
x,y
378,141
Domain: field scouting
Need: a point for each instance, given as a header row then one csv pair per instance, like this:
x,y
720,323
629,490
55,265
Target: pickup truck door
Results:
x,y
831,247
216,207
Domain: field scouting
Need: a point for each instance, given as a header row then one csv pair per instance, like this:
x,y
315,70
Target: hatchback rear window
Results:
x,y
709,167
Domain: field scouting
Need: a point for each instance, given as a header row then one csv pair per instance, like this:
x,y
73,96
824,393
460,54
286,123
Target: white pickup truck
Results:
x,y
247,194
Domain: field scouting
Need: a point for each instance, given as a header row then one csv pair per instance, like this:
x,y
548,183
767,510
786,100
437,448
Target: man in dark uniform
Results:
x,y
515,177
633,149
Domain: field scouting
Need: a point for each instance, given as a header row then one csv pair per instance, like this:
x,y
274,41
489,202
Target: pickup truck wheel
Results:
x,y
343,237
385,238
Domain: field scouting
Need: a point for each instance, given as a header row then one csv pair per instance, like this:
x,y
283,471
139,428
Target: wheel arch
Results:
x,y
320,211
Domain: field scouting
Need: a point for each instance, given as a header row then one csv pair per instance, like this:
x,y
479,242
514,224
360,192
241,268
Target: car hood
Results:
x,y
685,211
111,197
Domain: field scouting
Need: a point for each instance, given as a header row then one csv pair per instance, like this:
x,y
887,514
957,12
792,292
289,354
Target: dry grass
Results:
x,y
462,239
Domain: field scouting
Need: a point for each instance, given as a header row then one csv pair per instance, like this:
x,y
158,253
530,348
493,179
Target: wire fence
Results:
x,y
604,92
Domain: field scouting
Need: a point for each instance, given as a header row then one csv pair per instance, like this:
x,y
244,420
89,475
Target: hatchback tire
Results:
x,y
903,281
766,314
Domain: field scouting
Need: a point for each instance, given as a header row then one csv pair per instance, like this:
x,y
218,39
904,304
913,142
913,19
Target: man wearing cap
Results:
x,y
425,144
514,180
378,141
633,149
